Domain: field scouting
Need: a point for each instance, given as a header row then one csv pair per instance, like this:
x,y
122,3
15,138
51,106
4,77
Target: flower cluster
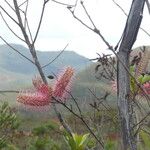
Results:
x,y
41,95
146,87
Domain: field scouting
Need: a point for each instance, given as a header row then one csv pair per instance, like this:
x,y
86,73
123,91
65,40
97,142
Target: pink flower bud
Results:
x,y
40,96
62,85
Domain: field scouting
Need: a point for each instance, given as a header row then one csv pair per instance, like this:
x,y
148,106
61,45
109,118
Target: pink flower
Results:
x,y
114,85
62,85
146,87
40,96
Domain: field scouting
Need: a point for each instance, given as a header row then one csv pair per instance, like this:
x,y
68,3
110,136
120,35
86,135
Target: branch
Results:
x,y
148,5
56,56
87,14
9,5
23,3
39,25
9,91
82,119
15,50
127,15
9,15
30,46
65,4
95,29
10,28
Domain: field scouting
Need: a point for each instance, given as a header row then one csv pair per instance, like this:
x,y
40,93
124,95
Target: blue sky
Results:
x,y
59,27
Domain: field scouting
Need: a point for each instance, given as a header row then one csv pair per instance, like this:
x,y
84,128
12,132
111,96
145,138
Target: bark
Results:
x,y
124,102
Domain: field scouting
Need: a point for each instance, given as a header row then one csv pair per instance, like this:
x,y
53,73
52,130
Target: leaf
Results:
x,y
145,79
77,142
146,138
140,78
84,139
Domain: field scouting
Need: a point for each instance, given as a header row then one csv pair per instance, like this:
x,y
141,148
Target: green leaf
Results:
x,y
140,78
145,79
84,139
77,142
146,139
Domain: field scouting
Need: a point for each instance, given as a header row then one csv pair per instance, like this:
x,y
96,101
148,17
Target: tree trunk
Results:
x,y
124,102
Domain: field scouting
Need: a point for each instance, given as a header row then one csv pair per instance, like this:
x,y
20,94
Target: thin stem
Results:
x,y
127,15
9,15
82,119
10,28
9,91
65,4
88,14
15,50
55,57
39,25
148,5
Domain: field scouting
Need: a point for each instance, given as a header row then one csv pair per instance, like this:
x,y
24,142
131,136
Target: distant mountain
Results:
x,y
16,71
13,62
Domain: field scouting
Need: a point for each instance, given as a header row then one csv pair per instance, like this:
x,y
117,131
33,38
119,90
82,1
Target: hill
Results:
x,y
86,81
16,70
13,62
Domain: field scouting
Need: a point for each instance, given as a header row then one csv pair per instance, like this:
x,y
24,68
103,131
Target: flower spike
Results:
x,y
63,83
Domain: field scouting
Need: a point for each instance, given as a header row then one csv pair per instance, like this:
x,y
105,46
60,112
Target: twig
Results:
x,y
15,50
88,14
9,15
127,15
39,24
97,31
142,120
56,57
9,5
65,4
9,91
10,28
23,3
61,119
148,5
30,46
82,119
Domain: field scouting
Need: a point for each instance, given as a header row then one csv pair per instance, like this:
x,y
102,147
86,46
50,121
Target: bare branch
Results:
x,y
127,15
82,119
65,4
28,28
9,15
25,14
88,14
9,5
148,5
23,3
92,29
66,127
9,91
56,56
10,28
39,25
15,50
30,46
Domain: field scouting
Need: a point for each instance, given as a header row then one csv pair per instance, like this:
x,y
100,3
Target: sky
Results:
x,y
59,28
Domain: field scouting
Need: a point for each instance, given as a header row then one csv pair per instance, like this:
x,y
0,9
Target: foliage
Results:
x,y
142,79
77,142
8,124
110,145
145,144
